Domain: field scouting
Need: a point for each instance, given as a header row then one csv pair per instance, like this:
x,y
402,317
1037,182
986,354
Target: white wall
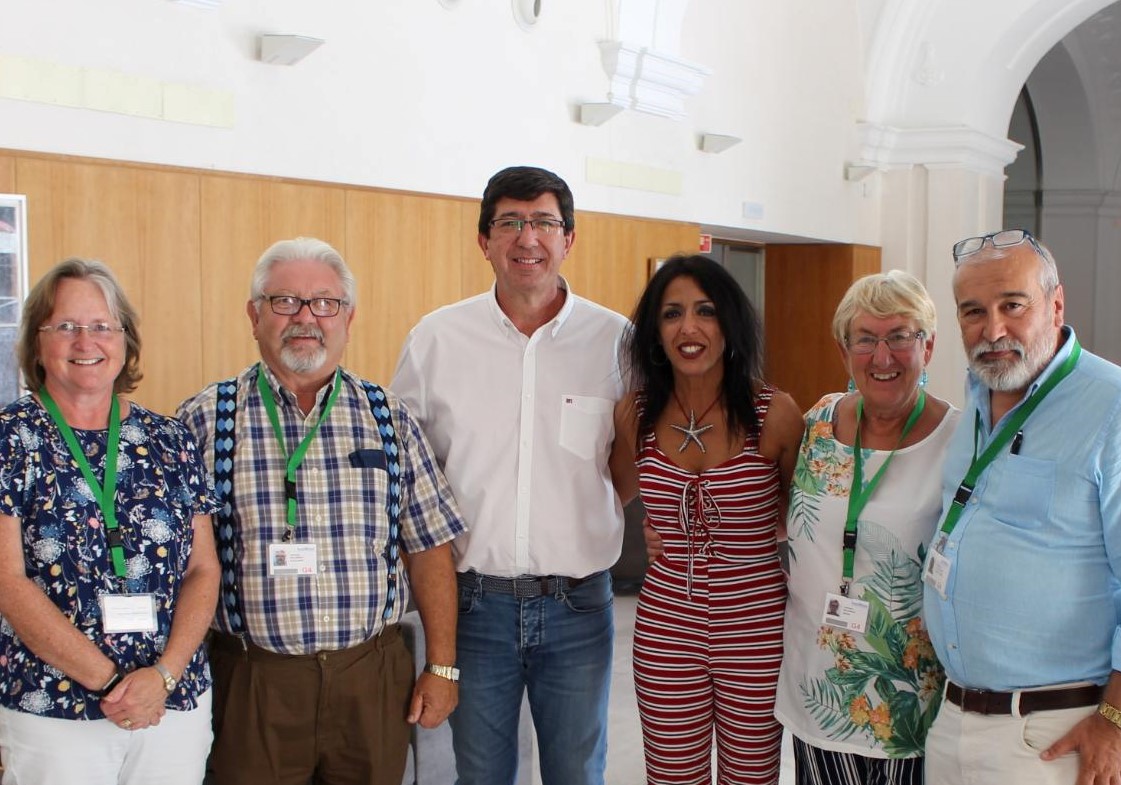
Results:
x,y
412,95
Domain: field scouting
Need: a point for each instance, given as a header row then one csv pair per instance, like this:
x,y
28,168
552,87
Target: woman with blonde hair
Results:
x,y
860,685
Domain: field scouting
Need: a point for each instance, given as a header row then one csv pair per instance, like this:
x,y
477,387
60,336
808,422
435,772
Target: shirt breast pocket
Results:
x,y
1023,496
586,424
369,475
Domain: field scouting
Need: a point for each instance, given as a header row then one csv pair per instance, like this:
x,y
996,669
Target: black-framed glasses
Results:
x,y
290,305
1002,239
73,329
547,226
896,342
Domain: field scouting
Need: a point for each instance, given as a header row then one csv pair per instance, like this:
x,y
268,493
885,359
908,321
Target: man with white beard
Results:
x,y
1022,596
327,482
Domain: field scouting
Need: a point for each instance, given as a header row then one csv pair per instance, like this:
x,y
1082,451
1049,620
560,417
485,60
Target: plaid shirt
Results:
x,y
340,508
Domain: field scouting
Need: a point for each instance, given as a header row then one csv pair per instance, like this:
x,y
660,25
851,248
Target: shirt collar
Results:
x,y
286,395
554,326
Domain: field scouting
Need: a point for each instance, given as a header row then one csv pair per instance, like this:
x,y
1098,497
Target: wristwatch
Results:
x,y
449,672
169,681
1110,712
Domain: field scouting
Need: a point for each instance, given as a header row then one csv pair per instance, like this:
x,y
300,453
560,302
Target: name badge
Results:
x,y
292,558
936,573
846,613
128,612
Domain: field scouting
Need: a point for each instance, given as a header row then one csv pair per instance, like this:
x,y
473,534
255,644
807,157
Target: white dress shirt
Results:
x,y
522,427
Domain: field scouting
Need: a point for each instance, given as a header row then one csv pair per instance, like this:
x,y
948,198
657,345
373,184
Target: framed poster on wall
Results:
x,y
13,289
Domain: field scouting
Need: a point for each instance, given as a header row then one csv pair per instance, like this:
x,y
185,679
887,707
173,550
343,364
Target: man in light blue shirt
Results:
x,y
1022,596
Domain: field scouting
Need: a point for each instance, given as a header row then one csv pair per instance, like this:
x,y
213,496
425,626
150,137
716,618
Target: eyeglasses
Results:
x,y
1002,239
289,305
896,342
511,226
72,329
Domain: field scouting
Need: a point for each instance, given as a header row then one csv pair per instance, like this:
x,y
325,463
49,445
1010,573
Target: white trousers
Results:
x,y
47,751
963,748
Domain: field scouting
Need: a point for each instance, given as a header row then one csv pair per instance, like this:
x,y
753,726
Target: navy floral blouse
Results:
x,y
161,485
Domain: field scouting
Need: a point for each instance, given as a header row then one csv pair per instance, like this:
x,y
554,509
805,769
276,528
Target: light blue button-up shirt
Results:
x,y
1033,596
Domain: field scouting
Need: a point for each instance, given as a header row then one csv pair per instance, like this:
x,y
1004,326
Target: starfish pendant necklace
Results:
x,y
693,432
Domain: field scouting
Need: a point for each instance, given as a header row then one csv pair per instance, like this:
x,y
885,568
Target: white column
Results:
x,y
1083,230
937,186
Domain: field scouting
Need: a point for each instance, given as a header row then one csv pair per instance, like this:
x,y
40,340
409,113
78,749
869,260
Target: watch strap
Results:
x,y
114,680
1110,712
449,672
169,681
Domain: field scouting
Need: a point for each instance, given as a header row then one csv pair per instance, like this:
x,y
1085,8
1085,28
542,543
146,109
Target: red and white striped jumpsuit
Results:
x,y
708,634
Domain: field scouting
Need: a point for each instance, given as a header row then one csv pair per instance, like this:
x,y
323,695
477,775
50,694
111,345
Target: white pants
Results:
x,y
963,748
47,751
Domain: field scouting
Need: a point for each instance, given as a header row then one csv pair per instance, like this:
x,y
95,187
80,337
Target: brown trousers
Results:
x,y
332,718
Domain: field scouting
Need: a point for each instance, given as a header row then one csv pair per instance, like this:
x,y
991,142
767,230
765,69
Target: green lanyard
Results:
x,y
295,459
860,494
1010,427
105,496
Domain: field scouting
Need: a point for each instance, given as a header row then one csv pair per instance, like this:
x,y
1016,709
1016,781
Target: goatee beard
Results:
x,y
302,360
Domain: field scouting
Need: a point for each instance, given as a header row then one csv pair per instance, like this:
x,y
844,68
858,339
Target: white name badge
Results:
x,y
292,558
128,612
936,573
846,613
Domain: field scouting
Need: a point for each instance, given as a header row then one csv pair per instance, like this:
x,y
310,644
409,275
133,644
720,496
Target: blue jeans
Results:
x,y
557,647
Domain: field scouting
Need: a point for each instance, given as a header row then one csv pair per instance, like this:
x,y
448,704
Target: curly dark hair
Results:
x,y
649,367
524,184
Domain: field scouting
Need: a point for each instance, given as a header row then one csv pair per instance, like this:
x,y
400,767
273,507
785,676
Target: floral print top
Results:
x,y
873,694
161,486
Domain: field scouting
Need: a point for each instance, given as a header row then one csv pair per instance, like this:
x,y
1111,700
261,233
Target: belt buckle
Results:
x,y
526,587
984,702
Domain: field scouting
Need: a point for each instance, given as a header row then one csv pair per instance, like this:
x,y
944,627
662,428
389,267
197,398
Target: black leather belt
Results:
x,y
986,702
522,586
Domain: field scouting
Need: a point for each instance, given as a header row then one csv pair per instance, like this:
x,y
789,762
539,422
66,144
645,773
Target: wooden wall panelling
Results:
x,y
234,231
603,266
80,209
476,274
659,240
241,217
804,284
170,287
406,252
143,223
7,174
34,180
610,260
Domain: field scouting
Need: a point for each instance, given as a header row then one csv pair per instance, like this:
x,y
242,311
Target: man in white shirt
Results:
x,y
514,389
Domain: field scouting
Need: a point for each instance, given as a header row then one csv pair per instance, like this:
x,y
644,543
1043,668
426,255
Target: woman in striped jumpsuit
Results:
x,y
714,448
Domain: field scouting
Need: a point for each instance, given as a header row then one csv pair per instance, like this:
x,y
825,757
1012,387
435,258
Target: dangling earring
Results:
x,y
923,379
852,385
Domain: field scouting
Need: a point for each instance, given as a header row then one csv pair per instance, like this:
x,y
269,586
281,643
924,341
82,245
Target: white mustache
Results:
x,y
298,331
1003,345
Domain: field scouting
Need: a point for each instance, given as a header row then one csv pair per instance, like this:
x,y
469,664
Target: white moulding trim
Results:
x,y
962,147
649,81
